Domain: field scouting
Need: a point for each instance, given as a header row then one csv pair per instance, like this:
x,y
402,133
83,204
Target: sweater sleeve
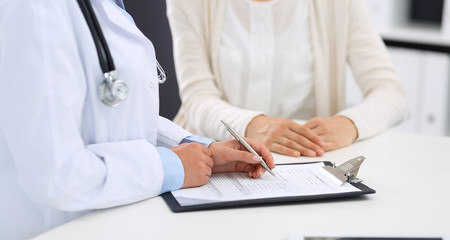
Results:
x,y
203,103
384,101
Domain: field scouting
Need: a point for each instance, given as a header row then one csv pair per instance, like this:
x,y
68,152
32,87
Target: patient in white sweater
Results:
x,y
261,64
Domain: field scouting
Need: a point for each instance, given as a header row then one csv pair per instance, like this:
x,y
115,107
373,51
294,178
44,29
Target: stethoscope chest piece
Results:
x,y
112,91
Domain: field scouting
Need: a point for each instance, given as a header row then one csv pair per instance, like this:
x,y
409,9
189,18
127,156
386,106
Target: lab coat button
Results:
x,y
151,85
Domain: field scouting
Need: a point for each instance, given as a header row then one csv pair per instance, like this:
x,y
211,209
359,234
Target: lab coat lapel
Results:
x,y
116,18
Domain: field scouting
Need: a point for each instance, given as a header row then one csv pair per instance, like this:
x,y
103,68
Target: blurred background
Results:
x,y
417,33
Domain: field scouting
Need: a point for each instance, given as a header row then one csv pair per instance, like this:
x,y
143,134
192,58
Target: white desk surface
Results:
x,y
411,174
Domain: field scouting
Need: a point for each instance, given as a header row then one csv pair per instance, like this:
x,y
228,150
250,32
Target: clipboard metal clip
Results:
x,y
345,172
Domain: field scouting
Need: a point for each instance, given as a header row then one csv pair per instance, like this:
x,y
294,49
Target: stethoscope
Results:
x,y
112,91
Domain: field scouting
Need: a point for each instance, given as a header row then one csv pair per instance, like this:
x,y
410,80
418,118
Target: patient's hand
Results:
x,y
285,136
336,132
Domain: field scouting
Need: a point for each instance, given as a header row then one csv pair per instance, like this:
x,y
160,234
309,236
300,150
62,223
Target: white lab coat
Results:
x,y
62,151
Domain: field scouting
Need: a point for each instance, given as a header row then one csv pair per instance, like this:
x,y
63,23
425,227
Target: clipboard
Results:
x,y
175,206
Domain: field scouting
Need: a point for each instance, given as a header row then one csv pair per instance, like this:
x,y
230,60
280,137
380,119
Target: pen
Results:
x,y
246,145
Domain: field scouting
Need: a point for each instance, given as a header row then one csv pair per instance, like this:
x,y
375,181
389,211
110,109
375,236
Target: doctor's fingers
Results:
x,y
244,156
262,150
197,170
192,149
197,161
197,147
253,171
191,153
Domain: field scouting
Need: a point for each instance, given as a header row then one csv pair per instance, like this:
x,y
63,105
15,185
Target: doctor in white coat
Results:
x,y
62,151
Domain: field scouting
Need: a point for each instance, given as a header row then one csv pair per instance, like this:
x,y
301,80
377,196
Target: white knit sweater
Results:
x,y
341,33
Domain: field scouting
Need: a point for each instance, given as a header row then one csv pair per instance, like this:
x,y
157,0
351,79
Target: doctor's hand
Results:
x,y
232,156
336,132
285,136
197,163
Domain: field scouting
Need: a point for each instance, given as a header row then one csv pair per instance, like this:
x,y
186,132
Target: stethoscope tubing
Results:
x,y
112,91
104,55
